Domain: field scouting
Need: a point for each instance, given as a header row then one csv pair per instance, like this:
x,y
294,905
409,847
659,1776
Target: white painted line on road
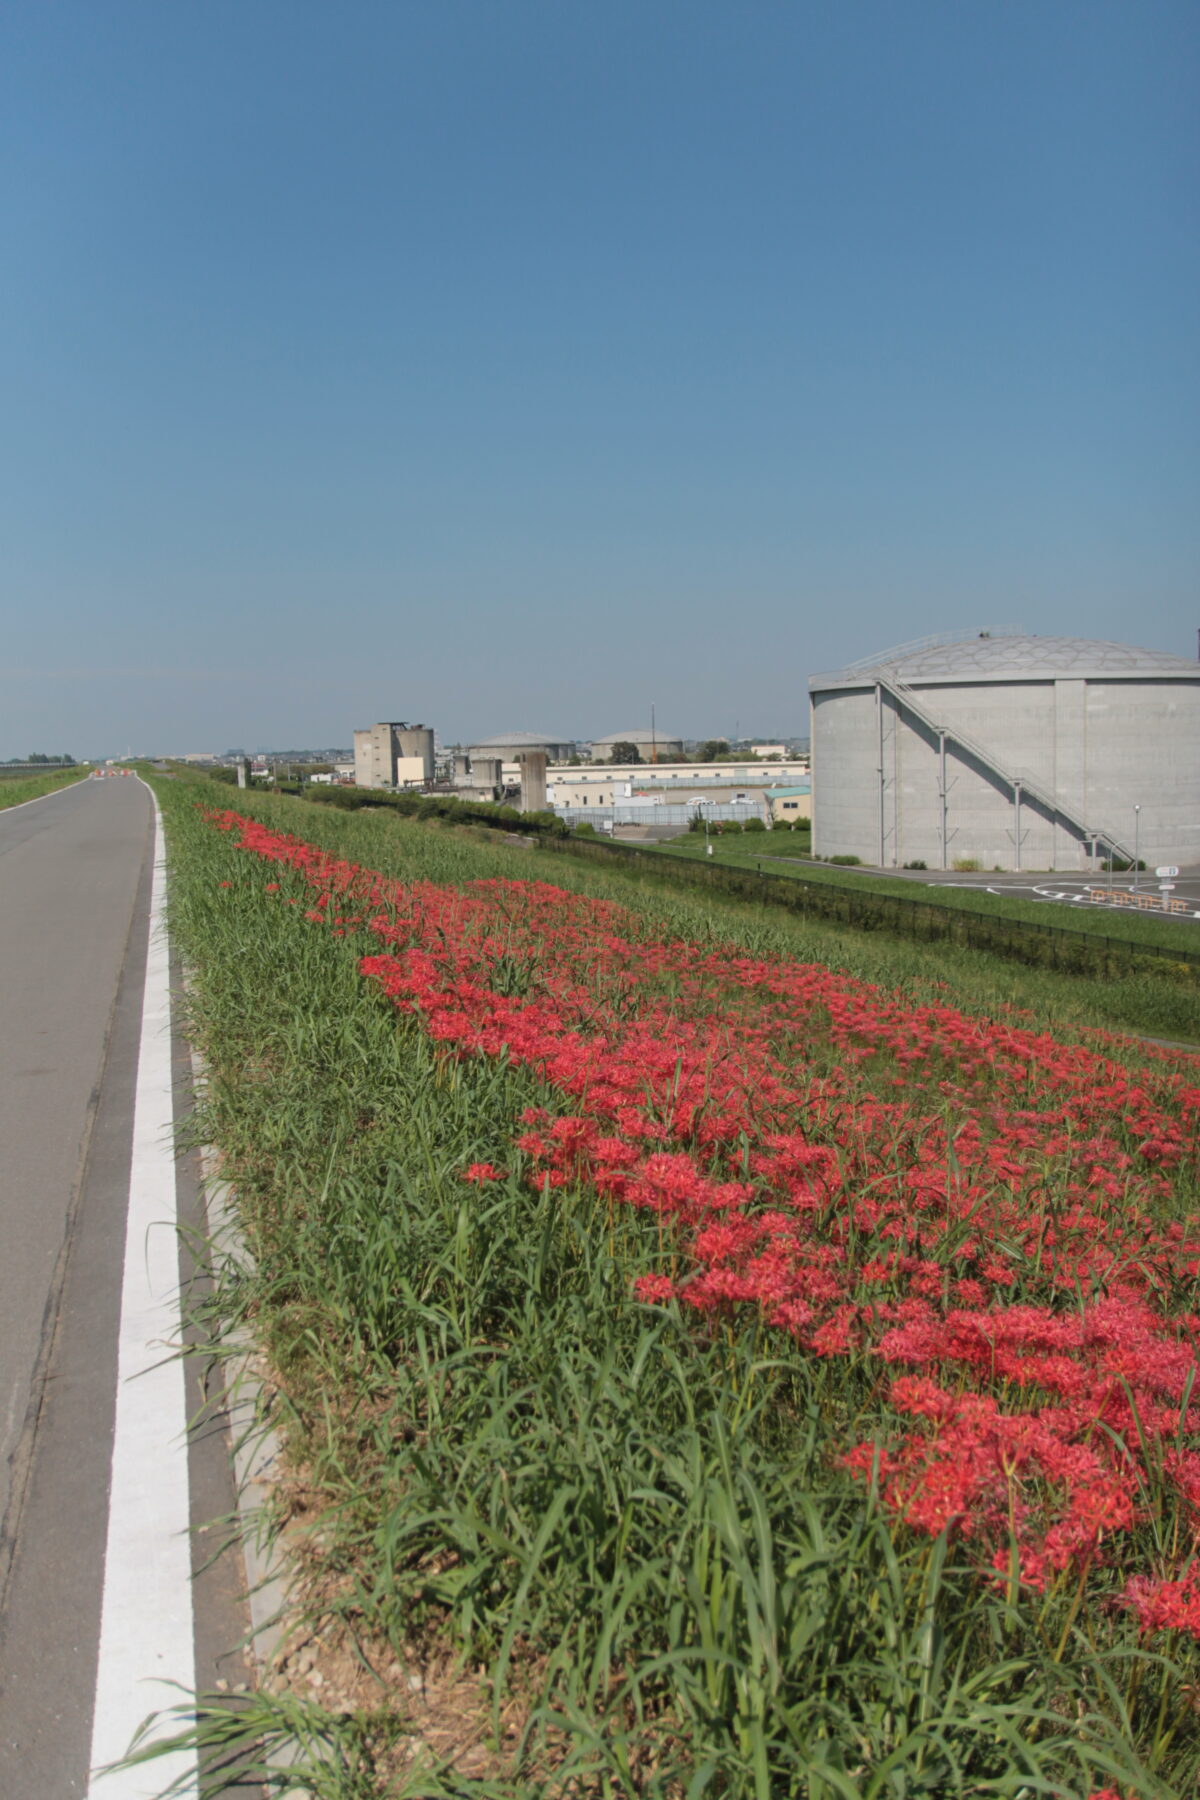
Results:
x,y
146,1644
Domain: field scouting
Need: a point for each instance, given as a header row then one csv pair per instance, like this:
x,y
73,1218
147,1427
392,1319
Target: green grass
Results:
x,y
1151,998
1136,928
15,790
636,1528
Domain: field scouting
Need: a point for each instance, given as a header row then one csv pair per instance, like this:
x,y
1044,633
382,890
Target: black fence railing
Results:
x,y
1028,941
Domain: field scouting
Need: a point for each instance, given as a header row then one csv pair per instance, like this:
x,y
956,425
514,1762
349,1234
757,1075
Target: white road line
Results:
x,y
146,1644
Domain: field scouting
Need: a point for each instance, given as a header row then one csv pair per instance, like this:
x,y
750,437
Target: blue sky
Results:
x,y
520,366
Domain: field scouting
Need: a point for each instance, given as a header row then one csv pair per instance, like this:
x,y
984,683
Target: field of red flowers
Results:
x,y
996,1227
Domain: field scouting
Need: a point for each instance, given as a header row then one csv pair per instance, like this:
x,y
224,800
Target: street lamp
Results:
x,y
1137,819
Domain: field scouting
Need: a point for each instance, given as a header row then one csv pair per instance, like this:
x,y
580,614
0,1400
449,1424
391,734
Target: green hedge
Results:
x,y
440,806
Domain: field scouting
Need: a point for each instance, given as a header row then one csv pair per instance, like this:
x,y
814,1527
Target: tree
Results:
x,y
713,750
625,752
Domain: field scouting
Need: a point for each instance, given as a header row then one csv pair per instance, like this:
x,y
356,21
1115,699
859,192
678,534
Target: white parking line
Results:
x,y
146,1644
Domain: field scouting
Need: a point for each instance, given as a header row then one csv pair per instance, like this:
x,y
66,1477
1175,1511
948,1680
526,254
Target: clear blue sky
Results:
x,y
520,365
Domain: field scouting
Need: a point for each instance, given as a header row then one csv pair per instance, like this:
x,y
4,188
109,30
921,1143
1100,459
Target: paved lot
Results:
x,y
1073,889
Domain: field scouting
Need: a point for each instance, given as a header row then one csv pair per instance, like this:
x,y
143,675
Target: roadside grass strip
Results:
x,y
764,1383
20,790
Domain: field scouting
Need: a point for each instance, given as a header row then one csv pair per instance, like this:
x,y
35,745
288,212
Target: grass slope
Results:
x,y
15,791
636,1529
1135,928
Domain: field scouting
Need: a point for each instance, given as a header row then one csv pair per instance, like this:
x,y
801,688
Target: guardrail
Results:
x,y
1147,903
1046,946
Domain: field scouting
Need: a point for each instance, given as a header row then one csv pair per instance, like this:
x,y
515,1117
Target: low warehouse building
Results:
x,y
788,805
1009,752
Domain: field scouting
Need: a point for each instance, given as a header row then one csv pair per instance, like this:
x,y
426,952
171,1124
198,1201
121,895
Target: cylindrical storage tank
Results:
x,y
650,745
1008,752
416,741
507,744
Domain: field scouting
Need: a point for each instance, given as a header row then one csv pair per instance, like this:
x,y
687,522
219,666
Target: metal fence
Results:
x,y
1049,946
676,817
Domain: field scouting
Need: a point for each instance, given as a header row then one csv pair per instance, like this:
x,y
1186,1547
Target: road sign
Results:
x,y
1168,869
1165,886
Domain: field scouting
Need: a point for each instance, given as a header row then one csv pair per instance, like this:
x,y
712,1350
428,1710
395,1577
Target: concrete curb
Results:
x,y
256,1452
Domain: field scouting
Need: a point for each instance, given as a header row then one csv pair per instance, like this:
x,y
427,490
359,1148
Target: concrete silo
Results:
x,y
393,754
1008,751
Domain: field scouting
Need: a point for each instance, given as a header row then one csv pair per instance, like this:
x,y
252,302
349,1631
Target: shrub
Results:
x,y
966,865
545,823
753,825
917,863
846,861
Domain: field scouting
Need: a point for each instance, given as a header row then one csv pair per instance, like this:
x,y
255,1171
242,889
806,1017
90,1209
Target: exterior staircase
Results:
x,y
1049,801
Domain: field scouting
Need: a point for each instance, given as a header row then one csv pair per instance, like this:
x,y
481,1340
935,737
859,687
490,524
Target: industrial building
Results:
x,y
601,784
1002,750
393,754
650,745
788,805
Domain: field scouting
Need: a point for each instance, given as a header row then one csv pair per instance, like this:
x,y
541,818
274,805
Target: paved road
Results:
x,y
75,879
70,868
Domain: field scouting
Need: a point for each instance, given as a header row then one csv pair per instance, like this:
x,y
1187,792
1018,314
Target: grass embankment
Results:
x,y
751,852
635,1519
1156,999
16,789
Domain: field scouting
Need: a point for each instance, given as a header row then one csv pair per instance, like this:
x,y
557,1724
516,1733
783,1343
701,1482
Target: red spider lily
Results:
x,y
969,1203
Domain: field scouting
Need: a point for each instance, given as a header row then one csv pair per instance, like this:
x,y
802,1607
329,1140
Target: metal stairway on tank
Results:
x,y
1048,800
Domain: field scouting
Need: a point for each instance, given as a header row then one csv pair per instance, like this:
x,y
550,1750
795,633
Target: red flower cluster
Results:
x,y
964,1199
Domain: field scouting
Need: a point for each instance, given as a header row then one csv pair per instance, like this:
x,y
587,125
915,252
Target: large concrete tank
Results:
x,y
1010,752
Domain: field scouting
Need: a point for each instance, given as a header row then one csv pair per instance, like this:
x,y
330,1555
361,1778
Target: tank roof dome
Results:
x,y
516,740
1012,655
641,736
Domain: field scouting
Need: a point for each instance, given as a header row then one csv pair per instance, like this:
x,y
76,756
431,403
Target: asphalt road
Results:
x,y
75,882
70,867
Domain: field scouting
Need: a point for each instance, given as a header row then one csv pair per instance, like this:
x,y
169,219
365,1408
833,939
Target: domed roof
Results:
x,y
640,736
516,740
1013,656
